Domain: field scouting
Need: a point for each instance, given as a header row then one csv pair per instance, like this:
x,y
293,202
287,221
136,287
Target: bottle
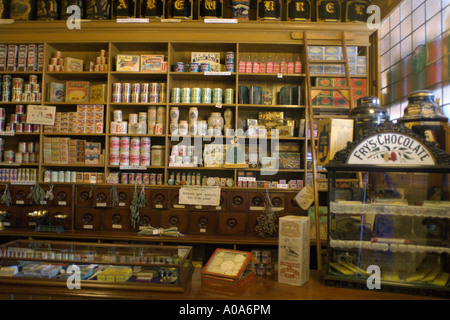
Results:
x,y
283,66
241,65
290,66
298,65
249,65
269,65
256,65
262,65
276,65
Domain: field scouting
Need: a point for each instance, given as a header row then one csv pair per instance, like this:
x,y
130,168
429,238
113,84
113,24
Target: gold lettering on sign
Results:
x,y
122,5
210,5
179,4
151,4
300,6
269,5
330,7
359,9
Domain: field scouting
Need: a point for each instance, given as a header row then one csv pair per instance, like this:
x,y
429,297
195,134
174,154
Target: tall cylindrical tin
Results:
x,y
366,116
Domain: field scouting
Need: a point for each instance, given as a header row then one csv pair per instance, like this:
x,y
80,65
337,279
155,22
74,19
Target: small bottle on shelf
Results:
x,y
276,65
241,65
283,65
262,65
256,65
269,65
290,66
249,65
298,65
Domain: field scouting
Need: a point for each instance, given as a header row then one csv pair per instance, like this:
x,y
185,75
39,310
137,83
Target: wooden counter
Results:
x,y
259,288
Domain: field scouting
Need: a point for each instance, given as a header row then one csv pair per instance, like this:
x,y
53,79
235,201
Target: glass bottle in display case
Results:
x,y
389,210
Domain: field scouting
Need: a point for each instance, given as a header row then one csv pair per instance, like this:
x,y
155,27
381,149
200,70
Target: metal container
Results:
x,y
423,116
367,115
299,10
328,11
268,10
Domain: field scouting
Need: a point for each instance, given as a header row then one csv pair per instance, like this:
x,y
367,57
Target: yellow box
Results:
x,y
333,135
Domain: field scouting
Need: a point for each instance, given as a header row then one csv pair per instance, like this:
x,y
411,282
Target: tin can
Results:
x,y
206,95
138,178
175,95
117,88
193,67
142,117
2,114
266,256
117,115
135,144
269,270
151,127
144,98
30,146
256,256
151,114
161,115
152,178
124,143
67,176
229,67
157,154
159,128
124,178
133,118
204,67
217,95
159,179
186,95
229,96
144,159
229,57
196,95
114,157
146,178
20,109
260,269
178,67
18,127
131,178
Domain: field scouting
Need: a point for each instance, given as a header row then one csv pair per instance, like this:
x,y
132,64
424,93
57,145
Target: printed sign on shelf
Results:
x,y
44,115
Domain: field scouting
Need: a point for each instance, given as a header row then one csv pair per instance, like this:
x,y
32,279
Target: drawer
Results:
x,y
204,222
124,195
82,198
147,218
237,201
159,199
232,223
63,196
12,217
292,205
62,210
175,218
252,221
88,219
174,200
102,197
257,201
19,195
116,220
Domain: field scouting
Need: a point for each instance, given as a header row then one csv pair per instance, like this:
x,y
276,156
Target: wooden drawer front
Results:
x,y
82,198
13,216
102,197
252,221
278,200
232,223
175,218
87,219
174,201
147,218
256,202
291,205
159,199
62,210
222,204
237,201
63,196
19,195
124,195
204,222
116,220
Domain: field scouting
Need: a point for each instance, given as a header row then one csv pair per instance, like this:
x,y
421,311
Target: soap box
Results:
x,y
293,250
127,62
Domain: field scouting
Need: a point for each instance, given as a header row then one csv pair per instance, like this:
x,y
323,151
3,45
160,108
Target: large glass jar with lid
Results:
x,y
424,117
367,115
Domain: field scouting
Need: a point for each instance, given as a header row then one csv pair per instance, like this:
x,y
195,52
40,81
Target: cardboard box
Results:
x,y
77,91
98,93
293,250
213,58
73,65
152,63
127,63
333,136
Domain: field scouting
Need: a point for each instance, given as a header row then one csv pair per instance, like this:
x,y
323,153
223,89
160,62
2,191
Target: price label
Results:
x,y
88,226
220,21
62,203
121,204
101,204
117,226
279,75
133,168
158,206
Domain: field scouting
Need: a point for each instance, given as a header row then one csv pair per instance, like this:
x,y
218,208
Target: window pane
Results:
x,y
434,49
395,17
446,19
433,7
434,27
446,93
405,9
419,17
385,61
385,27
406,46
434,73
385,44
406,27
418,37
395,54
395,36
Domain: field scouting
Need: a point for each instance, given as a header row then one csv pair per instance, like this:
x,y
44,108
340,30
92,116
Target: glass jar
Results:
x,y
183,128
423,116
367,115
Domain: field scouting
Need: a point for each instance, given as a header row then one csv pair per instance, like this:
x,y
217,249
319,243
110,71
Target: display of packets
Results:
x,y
14,89
21,57
69,64
87,119
73,176
147,92
72,151
18,175
357,64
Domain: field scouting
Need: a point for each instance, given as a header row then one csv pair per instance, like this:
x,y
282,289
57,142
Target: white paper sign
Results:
x,y
199,196
44,115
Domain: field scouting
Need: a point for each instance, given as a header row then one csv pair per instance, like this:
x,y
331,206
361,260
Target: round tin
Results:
x,y
124,143
367,115
229,57
256,256
145,144
151,114
114,157
266,256
117,115
124,178
196,95
204,67
229,67
144,159
206,95
193,67
260,269
186,95
229,96
178,67
217,95
133,118
175,95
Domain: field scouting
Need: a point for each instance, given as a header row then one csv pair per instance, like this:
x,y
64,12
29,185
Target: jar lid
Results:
x,y
422,93
157,147
368,101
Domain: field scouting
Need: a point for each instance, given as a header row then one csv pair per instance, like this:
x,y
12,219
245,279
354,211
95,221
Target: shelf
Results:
x,y
147,168
72,103
202,105
327,61
15,164
87,166
137,104
274,106
19,102
270,76
85,75
76,134
21,72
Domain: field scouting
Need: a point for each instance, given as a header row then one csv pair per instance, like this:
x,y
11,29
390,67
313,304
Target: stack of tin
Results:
x,y
20,175
17,121
229,61
16,90
139,92
202,95
125,151
27,152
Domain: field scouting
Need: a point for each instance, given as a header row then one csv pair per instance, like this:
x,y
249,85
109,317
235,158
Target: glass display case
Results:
x,y
127,267
389,214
